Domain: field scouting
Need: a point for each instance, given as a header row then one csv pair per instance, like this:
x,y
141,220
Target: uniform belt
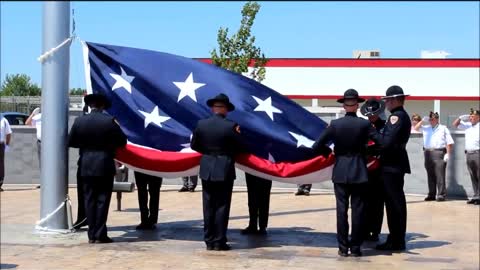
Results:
x,y
472,151
434,149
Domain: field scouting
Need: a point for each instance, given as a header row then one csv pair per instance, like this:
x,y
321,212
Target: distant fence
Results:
x,y
26,104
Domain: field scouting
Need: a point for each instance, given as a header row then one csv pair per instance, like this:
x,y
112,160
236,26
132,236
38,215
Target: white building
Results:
x,y
447,86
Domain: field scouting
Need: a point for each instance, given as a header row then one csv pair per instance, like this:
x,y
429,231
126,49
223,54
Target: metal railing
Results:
x,y
26,104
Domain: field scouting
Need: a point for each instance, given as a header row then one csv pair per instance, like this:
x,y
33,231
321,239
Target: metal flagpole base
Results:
x,y
66,205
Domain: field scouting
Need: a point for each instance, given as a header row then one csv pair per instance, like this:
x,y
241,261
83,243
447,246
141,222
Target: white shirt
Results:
x,y
437,137
37,122
472,140
4,129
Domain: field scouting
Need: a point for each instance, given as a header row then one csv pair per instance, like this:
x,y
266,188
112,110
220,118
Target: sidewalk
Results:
x,y
301,236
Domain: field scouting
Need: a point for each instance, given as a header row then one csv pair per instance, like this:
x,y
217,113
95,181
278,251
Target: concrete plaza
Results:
x,y
441,235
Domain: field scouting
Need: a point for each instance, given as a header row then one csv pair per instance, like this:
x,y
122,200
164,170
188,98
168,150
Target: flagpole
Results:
x,y
55,103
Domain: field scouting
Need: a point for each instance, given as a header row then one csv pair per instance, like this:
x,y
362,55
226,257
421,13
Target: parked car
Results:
x,y
15,118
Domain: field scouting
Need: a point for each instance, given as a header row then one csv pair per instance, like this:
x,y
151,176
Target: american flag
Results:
x,y
158,98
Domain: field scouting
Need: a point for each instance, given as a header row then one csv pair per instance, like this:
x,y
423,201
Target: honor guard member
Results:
x,y
98,136
350,134
469,123
148,184
374,109
81,215
394,165
437,146
258,190
218,140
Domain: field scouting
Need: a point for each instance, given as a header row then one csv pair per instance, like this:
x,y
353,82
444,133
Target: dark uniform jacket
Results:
x,y
393,142
97,136
375,149
350,134
217,140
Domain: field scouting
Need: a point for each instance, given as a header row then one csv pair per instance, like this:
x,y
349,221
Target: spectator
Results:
x,y
5,136
469,123
437,146
189,183
35,120
416,123
303,189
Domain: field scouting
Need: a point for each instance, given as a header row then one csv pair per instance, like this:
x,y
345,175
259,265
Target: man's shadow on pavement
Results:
x,y
412,243
192,230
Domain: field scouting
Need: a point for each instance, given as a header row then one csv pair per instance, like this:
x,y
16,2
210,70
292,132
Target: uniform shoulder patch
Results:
x,y
393,119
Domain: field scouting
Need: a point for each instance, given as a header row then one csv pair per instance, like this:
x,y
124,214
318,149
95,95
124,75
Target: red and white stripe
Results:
x,y
177,164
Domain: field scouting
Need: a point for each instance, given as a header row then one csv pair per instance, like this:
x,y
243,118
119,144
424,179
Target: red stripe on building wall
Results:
x,y
469,98
347,62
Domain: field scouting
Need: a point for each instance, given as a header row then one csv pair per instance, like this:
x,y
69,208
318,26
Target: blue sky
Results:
x,y
282,29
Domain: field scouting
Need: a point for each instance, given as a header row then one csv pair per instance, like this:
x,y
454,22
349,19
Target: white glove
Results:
x,y
445,158
464,117
36,111
425,119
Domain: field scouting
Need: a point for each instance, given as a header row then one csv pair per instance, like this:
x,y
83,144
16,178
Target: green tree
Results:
x,y
235,53
19,85
77,91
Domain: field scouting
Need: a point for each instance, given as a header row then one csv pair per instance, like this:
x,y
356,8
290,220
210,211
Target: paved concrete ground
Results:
x,y
301,236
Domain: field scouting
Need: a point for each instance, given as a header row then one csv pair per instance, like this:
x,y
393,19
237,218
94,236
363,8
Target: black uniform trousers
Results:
x,y
396,206
98,192
148,184
374,204
258,200
217,197
343,192
81,215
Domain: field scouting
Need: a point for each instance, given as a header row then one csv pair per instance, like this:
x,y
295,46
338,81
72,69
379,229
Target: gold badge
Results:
x,y
393,119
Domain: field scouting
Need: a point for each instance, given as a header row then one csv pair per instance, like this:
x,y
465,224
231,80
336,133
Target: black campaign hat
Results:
x,y
474,112
94,98
221,98
350,94
373,106
394,91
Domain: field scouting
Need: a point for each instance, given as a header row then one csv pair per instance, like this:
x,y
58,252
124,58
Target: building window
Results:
x,y
374,54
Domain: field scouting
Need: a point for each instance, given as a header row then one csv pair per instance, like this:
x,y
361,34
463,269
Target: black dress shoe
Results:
x,y
440,199
79,224
390,246
191,189
249,230
145,226
471,201
105,240
343,253
429,198
91,241
262,231
220,247
1,189
306,193
183,189
356,252
209,247
141,226
299,192
371,237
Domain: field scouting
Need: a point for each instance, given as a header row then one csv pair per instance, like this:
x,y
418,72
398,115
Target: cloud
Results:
x,y
434,54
